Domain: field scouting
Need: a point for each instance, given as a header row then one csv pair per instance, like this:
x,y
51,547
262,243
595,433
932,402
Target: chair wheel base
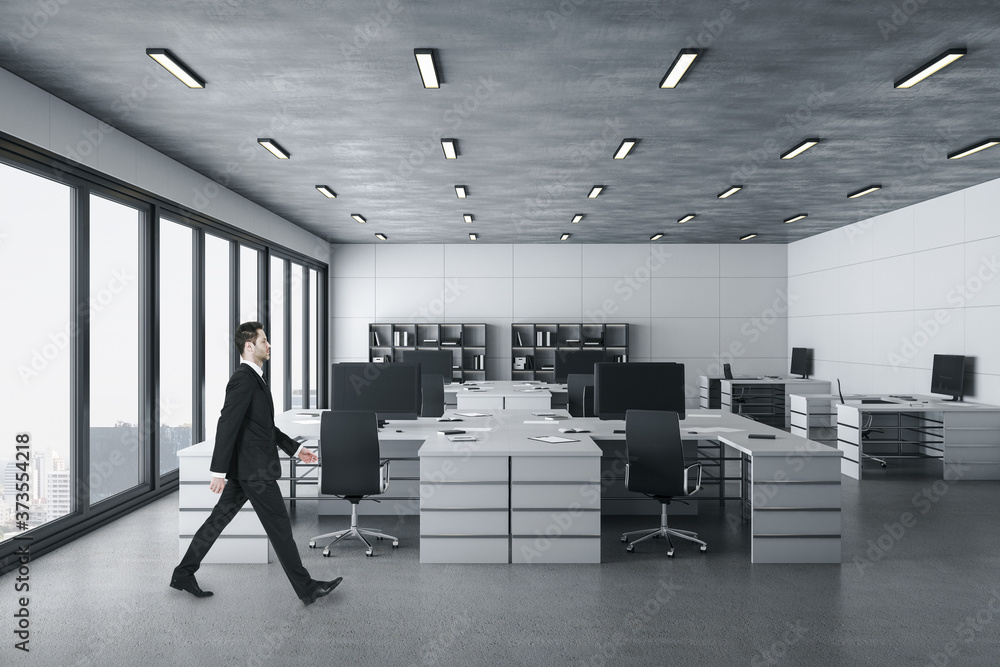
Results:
x,y
395,544
312,545
624,538
704,548
630,548
326,553
369,553
670,554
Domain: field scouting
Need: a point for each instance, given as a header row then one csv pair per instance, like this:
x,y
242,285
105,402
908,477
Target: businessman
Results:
x,y
245,453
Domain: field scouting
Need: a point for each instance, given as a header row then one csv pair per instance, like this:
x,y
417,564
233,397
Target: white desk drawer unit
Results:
x,y
464,509
243,540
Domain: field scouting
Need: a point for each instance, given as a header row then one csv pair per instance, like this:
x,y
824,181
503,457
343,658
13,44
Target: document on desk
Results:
x,y
712,429
461,438
552,439
472,414
306,421
700,416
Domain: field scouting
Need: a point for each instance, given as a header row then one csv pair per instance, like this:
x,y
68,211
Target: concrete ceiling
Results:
x,y
539,93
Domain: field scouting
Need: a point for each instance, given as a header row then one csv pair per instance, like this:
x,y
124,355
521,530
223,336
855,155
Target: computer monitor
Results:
x,y
801,362
619,387
432,362
577,361
392,391
948,375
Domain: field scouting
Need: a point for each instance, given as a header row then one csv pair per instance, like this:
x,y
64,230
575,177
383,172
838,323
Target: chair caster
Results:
x,y
883,465
378,538
312,545
670,554
624,538
395,544
326,553
704,548
630,548
369,553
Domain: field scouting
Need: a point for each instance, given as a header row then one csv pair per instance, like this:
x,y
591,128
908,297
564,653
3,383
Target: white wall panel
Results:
x,y
892,283
892,233
753,297
687,297
764,260
853,339
677,338
684,261
759,336
405,261
472,299
982,216
24,109
116,155
479,260
939,222
546,298
982,271
614,299
891,346
852,288
616,260
409,299
349,338
548,260
936,273
353,296
355,260
940,331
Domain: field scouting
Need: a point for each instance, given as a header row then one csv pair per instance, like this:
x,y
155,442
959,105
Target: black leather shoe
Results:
x,y
191,586
322,588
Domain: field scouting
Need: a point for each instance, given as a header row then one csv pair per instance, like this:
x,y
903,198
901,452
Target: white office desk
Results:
x,y
503,395
767,400
503,497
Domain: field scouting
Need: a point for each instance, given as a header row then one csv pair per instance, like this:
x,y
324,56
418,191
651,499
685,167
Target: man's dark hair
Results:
x,y
246,333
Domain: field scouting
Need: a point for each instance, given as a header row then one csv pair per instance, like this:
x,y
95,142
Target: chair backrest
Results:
x,y
431,395
655,452
727,371
348,442
576,388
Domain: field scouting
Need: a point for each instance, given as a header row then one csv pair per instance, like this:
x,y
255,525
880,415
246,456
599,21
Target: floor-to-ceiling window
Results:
x,y
35,260
220,350
277,334
114,347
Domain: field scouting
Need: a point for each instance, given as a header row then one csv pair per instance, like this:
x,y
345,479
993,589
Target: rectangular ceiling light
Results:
x,y
974,148
686,218
326,191
656,237
564,237
473,237
461,191
175,66
275,148
924,71
596,190
450,148
624,147
382,237
864,191
748,236
577,218
733,189
360,218
425,63
468,218
684,59
805,145
795,217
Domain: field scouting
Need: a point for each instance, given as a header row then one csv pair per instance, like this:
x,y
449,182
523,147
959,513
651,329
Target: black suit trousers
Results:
x,y
265,497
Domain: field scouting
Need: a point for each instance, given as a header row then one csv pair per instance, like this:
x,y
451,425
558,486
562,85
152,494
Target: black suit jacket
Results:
x,y
246,436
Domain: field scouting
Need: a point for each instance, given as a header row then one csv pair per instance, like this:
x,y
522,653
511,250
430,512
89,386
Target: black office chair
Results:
x,y
580,394
350,468
727,371
656,467
431,395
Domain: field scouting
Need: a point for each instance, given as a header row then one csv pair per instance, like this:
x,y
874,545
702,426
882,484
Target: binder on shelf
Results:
x,y
519,341
529,362
539,339
375,339
548,339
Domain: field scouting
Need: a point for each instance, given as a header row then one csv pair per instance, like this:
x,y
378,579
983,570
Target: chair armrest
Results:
x,y
626,475
383,471
697,485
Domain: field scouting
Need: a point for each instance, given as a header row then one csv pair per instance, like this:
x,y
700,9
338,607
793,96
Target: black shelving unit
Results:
x,y
388,342
538,344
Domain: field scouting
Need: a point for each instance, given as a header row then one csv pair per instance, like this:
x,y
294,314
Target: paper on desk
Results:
x,y
306,421
713,429
692,416
472,414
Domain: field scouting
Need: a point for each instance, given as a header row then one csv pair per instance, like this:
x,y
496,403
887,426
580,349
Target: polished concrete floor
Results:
x,y
919,585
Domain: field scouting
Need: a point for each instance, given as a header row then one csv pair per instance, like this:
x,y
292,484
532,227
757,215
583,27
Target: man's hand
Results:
x,y
217,485
307,456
